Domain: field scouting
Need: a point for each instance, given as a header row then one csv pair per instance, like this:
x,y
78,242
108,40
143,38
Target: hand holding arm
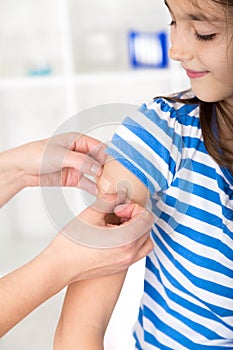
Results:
x,y
59,161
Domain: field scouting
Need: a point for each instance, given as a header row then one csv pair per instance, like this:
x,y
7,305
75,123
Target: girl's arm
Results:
x,y
86,312
88,305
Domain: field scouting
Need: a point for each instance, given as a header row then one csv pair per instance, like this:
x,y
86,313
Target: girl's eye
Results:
x,y
172,23
207,37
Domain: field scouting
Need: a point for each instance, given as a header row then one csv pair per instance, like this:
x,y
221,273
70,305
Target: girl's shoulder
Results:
x,y
180,106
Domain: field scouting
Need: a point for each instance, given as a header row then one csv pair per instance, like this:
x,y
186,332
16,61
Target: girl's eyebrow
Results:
x,y
201,17
166,4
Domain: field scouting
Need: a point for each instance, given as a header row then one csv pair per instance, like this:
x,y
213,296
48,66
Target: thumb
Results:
x,y
128,210
132,210
102,206
108,201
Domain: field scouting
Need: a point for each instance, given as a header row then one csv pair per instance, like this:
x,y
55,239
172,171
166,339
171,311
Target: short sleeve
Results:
x,y
149,144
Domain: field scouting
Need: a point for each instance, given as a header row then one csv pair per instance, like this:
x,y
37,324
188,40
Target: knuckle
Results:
x,y
128,258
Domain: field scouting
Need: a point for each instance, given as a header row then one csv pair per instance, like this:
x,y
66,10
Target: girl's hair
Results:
x,y
221,151
215,114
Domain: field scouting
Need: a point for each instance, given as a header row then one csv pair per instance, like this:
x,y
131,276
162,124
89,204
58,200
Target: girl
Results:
x,y
179,152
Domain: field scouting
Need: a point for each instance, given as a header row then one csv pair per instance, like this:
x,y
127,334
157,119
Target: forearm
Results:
x,y
86,312
86,338
22,290
11,178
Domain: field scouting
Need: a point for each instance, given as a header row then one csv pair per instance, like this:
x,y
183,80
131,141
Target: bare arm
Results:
x,y
63,262
11,178
88,305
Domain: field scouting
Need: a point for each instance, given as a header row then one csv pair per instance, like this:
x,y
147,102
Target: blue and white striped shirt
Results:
x,y
188,291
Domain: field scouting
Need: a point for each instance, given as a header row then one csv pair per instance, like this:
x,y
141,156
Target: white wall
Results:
x,y
35,34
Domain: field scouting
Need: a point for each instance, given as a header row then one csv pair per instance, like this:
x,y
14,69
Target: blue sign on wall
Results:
x,y
148,49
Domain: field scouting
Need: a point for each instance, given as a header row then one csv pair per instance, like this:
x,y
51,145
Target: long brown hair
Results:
x,y
212,114
220,148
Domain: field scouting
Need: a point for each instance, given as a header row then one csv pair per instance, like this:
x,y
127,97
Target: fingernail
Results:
x,y
95,169
120,207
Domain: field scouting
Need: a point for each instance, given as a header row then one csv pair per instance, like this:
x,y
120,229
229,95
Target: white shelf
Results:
x,y
122,76
30,82
86,78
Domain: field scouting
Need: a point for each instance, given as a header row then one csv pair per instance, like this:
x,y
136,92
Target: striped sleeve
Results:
x,y
150,145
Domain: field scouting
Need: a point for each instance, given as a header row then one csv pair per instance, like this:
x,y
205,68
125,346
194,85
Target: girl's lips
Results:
x,y
195,74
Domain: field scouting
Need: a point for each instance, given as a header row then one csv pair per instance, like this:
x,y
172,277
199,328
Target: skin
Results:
x,y
60,161
63,262
205,49
82,325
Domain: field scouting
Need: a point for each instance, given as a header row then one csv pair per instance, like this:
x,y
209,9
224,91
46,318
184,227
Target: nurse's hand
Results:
x,y
62,160
65,161
83,262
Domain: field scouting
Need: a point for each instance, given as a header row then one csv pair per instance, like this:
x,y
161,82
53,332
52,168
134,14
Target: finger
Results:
x,y
98,153
88,186
83,163
95,213
138,250
76,141
137,244
89,145
128,210
108,201
89,229
144,250
133,210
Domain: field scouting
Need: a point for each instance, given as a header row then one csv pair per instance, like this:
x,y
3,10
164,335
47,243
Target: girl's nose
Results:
x,y
181,49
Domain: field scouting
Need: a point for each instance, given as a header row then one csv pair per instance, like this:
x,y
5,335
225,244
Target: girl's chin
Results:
x,y
205,97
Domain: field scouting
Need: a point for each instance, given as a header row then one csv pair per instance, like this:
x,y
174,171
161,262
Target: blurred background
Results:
x,y
57,58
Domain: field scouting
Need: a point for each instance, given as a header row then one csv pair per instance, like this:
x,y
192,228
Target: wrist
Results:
x,y
12,179
10,166
63,252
